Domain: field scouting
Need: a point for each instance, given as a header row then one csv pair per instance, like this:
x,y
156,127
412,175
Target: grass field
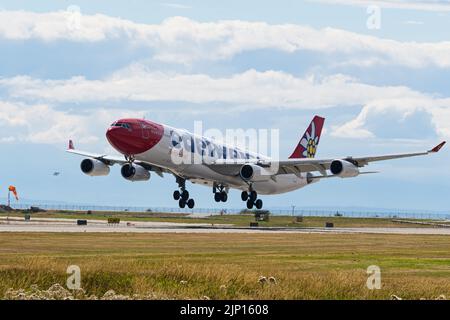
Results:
x,y
228,266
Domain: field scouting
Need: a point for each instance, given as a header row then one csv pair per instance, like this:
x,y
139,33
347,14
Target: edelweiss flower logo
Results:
x,y
307,147
309,142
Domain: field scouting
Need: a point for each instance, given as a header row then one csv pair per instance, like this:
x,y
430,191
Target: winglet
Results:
x,y
438,147
71,147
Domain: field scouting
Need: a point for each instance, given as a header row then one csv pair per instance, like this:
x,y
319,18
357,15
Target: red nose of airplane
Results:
x,y
134,136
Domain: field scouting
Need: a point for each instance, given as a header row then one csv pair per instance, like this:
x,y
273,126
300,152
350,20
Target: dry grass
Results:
x,y
229,266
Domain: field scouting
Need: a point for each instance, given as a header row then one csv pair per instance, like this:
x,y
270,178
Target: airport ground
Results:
x,y
215,265
238,220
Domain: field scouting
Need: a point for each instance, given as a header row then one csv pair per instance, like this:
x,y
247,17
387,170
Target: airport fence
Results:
x,y
305,212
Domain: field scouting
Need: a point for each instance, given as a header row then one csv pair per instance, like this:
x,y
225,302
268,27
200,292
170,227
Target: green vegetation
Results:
x,y
228,266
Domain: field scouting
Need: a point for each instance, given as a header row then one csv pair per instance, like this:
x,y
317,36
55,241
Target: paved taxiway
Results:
x,y
69,225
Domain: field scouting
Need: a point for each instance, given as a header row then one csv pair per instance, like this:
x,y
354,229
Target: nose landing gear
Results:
x,y
252,199
182,195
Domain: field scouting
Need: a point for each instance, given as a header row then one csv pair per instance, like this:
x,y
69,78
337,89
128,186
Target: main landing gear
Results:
x,y
251,198
220,193
182,195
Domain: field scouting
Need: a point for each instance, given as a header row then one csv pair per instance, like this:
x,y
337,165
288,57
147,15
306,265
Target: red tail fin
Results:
x,y
307,146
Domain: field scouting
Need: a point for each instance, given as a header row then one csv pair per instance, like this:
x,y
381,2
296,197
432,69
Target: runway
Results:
x,y
100,226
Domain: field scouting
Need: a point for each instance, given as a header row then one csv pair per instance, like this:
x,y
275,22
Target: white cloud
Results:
x,y
248,90
438,6
39,124
42,123
377,114
253,88
182,40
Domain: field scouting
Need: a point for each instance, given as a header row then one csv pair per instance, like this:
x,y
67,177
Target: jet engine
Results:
x,y
94,168
344,169
133,172
252,172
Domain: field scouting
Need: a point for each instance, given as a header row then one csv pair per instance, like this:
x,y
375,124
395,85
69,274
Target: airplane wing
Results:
x,y
111,160
304,165
309,165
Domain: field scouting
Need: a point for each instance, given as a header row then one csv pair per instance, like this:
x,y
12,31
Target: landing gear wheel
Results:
x,y
249,204
217,197
258,204
182,195
223,196
244,195
253,195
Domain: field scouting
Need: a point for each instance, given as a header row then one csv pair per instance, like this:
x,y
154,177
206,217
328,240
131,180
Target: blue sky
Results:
x,y
69,68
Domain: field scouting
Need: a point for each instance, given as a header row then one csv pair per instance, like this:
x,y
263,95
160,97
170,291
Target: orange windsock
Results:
x,y
14,191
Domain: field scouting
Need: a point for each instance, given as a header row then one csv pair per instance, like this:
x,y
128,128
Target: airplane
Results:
x,y
147,146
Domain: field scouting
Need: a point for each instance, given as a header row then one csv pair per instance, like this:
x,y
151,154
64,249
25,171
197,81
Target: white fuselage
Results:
x,y
176,153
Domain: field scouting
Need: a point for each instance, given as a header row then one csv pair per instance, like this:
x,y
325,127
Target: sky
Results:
x,y
378,74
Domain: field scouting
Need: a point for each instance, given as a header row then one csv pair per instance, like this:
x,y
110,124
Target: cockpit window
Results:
x,y
121,124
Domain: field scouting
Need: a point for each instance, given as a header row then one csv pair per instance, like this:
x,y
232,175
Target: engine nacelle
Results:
x,y
133,172
94,168
252,172
344,169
